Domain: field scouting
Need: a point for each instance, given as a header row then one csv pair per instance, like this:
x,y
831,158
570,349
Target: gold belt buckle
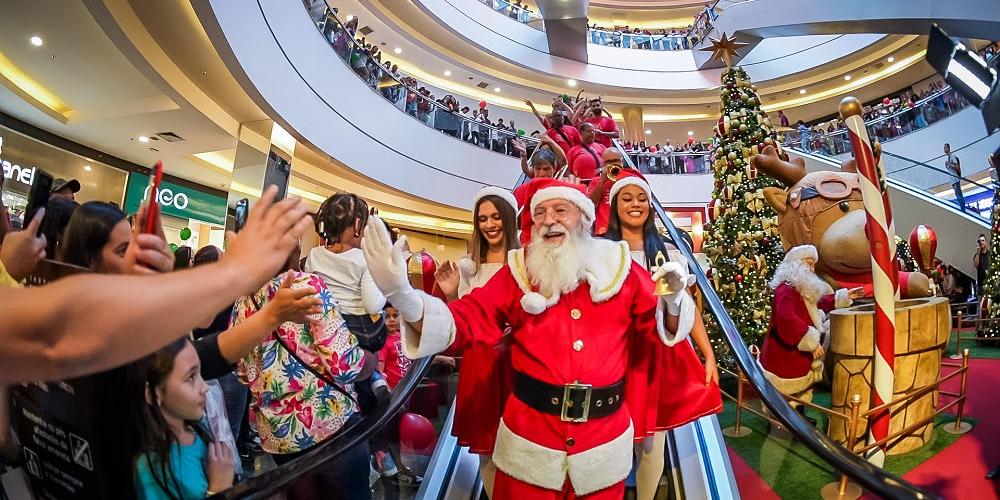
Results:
x,y
567,402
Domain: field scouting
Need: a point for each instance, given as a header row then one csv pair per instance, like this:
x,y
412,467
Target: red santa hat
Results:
x,y
542,190
503,194
629,177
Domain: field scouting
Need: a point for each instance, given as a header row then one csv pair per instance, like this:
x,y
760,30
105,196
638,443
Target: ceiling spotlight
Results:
x,y
37,41
649,132
143,139
571,82
447,72
891,59
398,50
87,168
847,77
802,91
690,133
350,18
496,89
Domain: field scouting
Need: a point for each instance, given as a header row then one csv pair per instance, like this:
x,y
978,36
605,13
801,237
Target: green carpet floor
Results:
x,y
795,472
977,349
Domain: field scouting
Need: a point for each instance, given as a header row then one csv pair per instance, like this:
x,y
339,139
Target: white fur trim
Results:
x,y
499,192
466,267
607,267
602,466
816,315
589,471
802,252
629,181
572,195
810,341
437,333
686,309
841,298
528,461
793,386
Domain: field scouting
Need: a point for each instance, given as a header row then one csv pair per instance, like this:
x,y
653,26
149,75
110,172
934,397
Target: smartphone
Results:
x,y
153,209
38,196
242,207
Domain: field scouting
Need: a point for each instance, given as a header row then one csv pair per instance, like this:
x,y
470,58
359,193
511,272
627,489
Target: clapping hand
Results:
x,y
447,278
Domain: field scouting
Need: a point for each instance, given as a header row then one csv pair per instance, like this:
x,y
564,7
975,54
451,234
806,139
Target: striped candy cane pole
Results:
x,y
877,150
883,275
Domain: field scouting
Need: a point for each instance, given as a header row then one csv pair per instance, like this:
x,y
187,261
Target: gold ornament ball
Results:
x,y
850,106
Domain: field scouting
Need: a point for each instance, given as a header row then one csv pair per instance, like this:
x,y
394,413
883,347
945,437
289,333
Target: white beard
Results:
x,y
803,279
558,268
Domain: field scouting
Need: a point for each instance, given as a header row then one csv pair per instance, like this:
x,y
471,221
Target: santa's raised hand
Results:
x,y
387,266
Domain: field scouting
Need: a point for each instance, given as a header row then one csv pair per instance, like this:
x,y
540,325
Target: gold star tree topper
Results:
x,y
724,49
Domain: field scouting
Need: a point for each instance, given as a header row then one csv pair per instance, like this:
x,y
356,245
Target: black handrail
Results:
x,y
275,480
871,477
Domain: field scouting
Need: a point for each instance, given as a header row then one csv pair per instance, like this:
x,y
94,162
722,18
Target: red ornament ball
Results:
x,y
417,434
739,278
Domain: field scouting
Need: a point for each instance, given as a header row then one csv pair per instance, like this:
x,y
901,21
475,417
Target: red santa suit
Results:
x,y
580,337
797,328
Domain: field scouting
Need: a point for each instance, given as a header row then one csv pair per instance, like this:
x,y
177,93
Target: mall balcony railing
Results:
x,y
522,15
680,162
404,92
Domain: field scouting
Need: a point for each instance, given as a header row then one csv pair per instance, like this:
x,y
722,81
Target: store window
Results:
x,y
22,156
190,217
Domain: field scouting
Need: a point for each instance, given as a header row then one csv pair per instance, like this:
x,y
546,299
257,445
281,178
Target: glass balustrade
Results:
x,y
406,93
672,163
516,12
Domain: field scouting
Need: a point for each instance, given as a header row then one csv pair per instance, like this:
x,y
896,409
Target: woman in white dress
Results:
x,y
485,377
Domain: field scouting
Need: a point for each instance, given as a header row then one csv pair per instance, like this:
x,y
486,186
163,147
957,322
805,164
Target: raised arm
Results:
x,y
560,154
85,324
541,119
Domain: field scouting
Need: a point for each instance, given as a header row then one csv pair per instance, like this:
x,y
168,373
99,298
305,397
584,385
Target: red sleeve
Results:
x,y
788,325
827,303
481,316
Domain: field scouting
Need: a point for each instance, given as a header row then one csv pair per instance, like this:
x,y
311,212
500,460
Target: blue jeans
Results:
x,y
959,196
235,394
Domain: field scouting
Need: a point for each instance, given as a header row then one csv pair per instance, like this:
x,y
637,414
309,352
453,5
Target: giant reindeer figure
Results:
x,y
825,209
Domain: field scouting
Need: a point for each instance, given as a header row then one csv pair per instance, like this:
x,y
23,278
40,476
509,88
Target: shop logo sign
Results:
x,y
166,196
16,172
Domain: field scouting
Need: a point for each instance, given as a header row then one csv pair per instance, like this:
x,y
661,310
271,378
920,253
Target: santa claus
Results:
x,y
572,302
793,351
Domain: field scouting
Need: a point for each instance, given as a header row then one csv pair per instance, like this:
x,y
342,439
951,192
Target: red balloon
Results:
x,y
417,433
482,104
923,246
886,101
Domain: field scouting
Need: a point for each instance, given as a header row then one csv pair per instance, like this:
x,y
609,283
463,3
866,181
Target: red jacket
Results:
x,y
790,323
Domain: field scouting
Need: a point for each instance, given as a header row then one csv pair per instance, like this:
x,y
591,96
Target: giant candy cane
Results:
x,y
877,150
883,272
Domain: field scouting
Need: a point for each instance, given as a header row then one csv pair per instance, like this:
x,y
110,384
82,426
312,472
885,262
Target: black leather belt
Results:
x,y
572,402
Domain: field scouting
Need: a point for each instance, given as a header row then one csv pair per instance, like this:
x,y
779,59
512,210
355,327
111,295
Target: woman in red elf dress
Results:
x,y
668,386
487,377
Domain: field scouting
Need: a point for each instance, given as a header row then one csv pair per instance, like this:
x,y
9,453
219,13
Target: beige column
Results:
x,y
634,126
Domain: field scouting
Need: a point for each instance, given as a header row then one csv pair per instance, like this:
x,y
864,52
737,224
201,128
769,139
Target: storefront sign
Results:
x,y
175,200
24,175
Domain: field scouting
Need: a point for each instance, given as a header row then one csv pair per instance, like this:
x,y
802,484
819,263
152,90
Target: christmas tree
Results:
x,y
906,262
741,239
991,288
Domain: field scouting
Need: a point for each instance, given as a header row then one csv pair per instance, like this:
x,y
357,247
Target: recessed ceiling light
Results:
x,y
349,18
496,89
87,168
802,91
847,77
891,59
648,132
143,139
690,133
571,82
398,50
37,41
447,72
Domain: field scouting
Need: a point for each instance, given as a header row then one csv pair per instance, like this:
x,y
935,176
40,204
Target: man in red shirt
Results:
x,y
605,128
585,158
565,135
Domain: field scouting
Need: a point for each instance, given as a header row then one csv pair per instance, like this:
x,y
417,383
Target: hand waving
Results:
x,y
447,277
388,269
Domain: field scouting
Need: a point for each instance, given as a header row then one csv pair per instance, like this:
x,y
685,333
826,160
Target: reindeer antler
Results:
x,y
786,172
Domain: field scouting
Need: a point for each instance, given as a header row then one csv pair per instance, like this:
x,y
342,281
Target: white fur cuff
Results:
x,y
810,341
841,298
437,333
682,306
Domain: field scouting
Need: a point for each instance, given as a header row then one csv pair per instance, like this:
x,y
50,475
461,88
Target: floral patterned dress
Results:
x,y
291,408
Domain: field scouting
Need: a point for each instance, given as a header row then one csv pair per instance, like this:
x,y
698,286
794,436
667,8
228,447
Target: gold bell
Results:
x,y
662,287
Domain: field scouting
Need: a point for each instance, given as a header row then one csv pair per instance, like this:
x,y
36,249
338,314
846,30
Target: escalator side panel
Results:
x,y
704,461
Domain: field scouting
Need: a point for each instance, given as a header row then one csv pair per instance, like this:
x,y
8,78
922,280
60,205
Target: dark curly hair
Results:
x,y
338,213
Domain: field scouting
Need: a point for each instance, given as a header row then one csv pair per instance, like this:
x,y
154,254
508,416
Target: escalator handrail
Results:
x,y
273,481
867,475
329,14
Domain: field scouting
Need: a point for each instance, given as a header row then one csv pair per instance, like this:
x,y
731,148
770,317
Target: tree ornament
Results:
x,y
727,193
714,210
732,156
923,246
750,170
739,278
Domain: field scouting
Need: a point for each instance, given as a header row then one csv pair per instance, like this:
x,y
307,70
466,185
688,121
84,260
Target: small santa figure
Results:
x,y
793,351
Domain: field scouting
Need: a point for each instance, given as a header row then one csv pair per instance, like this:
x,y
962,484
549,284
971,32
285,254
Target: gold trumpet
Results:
x,y
611,170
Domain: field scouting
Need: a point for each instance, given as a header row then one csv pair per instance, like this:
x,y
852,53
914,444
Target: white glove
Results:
x,y
388,269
